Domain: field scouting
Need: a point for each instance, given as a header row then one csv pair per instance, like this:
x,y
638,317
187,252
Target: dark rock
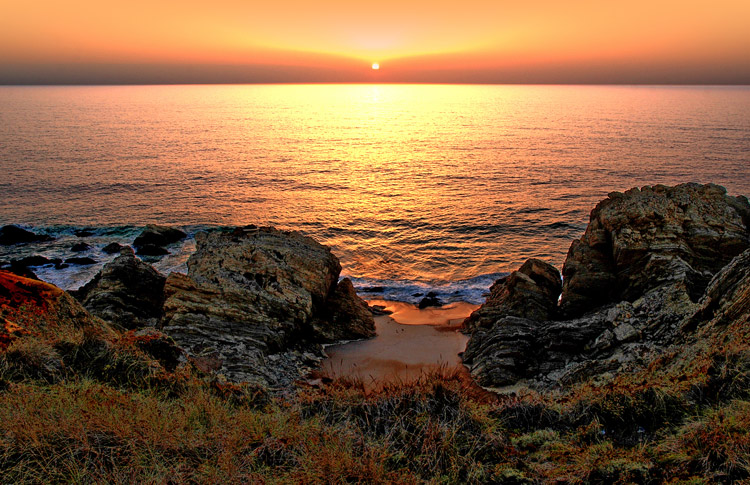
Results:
x,y
61,265
11,234
158,236
379,310
79,247
252,304
113,248
126,292
431,299
631,235
727,297
23,271
15,235
531,292
346,316
83,233
34,261
81,261
151,250
373,289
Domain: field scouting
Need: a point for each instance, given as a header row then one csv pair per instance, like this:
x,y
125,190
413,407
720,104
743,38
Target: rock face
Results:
x,y
531,292
632,287
126,292
15,235
346,316
635,241
252,304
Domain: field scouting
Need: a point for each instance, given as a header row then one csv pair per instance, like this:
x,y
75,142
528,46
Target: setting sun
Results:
x,y
375,66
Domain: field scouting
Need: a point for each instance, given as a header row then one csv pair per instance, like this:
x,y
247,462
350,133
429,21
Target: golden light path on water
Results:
x,y
430,183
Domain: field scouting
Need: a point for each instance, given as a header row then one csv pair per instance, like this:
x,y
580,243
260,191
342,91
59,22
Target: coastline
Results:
x,y
410,343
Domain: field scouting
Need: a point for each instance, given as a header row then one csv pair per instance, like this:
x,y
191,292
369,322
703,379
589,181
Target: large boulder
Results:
x,y
530,292
11,234
634,240
252,303
126,292
632,287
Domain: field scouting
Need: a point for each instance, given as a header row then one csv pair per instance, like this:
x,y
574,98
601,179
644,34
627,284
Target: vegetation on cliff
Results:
x,y
86,400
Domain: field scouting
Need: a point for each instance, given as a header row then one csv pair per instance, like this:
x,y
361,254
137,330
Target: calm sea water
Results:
x,y
413,186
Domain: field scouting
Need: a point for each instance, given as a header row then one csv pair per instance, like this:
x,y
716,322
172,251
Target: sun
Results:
x,y
375,66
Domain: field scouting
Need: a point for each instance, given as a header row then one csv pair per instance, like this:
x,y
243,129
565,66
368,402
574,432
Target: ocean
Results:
x,y
414,187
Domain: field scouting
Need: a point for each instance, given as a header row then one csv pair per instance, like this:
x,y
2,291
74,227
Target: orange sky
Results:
x,y
426,41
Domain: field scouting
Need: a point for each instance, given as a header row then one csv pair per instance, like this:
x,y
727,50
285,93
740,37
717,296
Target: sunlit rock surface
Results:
x,y
632,288
257,302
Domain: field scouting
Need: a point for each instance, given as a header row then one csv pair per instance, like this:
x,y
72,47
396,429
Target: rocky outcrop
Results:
x,y
32,307
531,292
152,240
345,316
126,292
632,287
637,240
11,234
252,304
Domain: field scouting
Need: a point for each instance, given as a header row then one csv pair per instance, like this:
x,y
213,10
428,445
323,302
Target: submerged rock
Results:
x,y
113,248
632,286
256,302
11,234
81,261
151,250
126,292
79,247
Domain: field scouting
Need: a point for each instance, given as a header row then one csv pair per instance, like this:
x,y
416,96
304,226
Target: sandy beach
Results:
x,y
409,343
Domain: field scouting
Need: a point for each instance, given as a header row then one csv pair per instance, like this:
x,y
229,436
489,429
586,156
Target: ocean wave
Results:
x,y
472,290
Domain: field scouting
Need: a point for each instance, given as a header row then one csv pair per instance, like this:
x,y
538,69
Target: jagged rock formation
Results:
x,y
644,238
126,292
631,289
531,292
252,304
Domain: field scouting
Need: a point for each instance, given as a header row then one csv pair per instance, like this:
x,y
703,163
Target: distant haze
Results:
x,y
474,41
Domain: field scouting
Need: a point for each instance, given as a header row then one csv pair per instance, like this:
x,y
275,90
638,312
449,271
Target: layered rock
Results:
x,y
257,301
631,289
531,292
126,292
635,241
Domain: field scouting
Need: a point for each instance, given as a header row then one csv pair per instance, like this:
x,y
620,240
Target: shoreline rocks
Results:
x,y
153,239
10,235
126,292
257,303
632,287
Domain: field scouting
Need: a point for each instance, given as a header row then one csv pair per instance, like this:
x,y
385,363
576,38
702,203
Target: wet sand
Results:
x,y
409,343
